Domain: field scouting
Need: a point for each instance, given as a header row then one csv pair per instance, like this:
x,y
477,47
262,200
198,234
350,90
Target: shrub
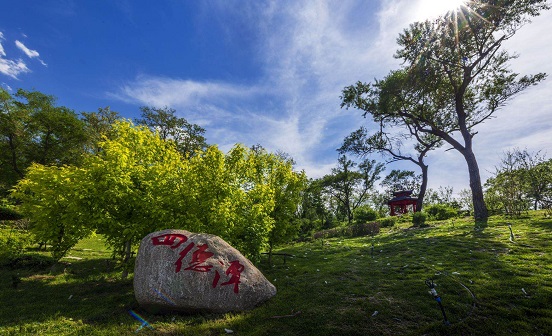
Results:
x,y
387,221
33,261
365,214
440,212
8,213
419,219
12,244
365,229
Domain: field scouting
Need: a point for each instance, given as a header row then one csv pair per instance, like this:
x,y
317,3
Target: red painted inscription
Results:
x,y
168,239
200,256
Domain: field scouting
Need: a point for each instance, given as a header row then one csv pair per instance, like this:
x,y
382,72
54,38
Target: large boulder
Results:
x,y
177,270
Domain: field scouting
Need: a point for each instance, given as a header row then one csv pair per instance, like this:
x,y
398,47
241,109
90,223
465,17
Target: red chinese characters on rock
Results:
x,y
198,262
234,271
168,239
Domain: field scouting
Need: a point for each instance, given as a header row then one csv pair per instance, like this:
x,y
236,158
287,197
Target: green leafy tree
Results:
x,y
456,67
120,192
506,189
34,130
349,186
361,143
52,197
398,180
187,137
464,200
313,211
288,186
443,195
536,174
137,183
99,126
521,181
248,197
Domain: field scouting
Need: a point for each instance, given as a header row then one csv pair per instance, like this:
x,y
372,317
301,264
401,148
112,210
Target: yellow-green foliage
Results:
x,y
138,183
52,198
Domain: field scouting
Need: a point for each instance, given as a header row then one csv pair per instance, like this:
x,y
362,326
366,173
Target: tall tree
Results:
x,y
34,129
401,180
536,174
361,143
313,211
349,186
99,126
187,137
456,65
506,190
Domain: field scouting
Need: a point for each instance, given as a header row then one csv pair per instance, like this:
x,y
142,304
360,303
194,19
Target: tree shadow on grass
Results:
x,y
79,291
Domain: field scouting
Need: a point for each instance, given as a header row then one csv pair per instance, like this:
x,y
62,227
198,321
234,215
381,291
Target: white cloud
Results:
x,y
7,87
309,52
2,52
30,53
160,91
13,68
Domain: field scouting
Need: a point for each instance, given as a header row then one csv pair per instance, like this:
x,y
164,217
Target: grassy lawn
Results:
x,y
340,286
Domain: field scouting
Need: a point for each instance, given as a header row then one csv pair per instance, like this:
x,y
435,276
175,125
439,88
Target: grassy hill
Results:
x,y
489,285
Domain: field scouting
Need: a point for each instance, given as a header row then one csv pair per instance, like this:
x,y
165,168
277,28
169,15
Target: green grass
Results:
x,y
488,285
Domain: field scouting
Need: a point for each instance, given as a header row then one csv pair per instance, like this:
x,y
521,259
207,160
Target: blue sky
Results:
x,y
266,72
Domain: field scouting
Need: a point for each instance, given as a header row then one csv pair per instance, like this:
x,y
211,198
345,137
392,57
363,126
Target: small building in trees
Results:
x,y
401,202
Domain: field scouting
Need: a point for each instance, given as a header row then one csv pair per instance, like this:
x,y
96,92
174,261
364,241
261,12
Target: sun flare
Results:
x,y
430,9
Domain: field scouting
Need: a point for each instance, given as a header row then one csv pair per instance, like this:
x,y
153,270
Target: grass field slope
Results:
x,y
489,282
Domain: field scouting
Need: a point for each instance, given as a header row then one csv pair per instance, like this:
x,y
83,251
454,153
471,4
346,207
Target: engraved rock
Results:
x,y
177,270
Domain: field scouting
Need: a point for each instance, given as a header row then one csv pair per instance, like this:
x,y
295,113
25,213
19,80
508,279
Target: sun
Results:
x,y
431,9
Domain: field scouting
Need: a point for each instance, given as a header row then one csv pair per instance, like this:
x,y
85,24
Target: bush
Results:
x,y
33,261
12,244
441,212
365,214
364,229
419,219
8,213
387,221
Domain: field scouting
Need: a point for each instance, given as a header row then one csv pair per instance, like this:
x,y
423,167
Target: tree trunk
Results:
x,y
126,259
423,187
14,158
479,208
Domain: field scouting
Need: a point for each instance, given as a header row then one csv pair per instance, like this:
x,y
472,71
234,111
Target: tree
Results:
x,y
276,170
99,126
187,137
443,195
536,174
121,192
401,180
522,179
360,143
313,211
137,183
349,187
33,129
52,198
465,200
456,67
507,188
